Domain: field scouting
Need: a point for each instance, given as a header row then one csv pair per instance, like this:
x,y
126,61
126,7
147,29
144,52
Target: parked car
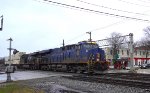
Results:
x,y
144,66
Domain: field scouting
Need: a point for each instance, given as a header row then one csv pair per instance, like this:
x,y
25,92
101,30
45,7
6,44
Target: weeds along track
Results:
x,y
125,79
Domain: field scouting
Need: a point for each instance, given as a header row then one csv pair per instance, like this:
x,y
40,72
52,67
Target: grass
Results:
x,y
16,88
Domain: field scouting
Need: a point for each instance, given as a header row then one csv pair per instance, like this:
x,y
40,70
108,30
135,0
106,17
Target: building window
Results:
x,y
122,52
127,52
147,53
143,52
136,53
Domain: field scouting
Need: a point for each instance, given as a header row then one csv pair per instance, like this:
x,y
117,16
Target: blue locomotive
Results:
x,y
84,56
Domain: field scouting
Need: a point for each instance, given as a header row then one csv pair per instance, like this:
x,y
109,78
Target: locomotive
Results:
x,y
85,56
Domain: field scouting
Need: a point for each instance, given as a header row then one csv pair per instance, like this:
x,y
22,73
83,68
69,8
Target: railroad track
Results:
x,y
130,76
125,79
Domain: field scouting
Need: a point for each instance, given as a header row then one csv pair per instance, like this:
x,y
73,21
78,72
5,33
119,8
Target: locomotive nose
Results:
x,y
95,54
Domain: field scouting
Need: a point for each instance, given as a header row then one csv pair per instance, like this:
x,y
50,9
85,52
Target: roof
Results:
x,y
45,51
87,42
143,48
34,53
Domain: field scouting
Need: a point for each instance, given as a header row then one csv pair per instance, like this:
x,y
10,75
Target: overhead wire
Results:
x,y
96,11
133,3
74,7
66,42
111,8
75,37
144,1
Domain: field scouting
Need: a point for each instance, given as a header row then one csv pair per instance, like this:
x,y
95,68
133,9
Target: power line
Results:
x,y
112,24
75,38
143,1
116,23
133,3
111,8
105,26
90,30
96,11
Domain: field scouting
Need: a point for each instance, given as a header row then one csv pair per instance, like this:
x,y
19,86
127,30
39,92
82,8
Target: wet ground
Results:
x,y
35,76
24,75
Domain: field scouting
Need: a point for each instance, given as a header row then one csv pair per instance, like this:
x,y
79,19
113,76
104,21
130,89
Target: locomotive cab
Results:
x,y
94,55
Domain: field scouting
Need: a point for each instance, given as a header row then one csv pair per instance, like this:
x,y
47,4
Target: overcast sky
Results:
x,y
37,25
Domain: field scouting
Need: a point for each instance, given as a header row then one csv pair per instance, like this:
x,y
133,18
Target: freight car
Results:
x,y
84,56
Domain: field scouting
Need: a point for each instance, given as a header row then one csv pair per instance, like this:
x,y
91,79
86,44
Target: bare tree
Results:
x,y
147,32
144,43
116,42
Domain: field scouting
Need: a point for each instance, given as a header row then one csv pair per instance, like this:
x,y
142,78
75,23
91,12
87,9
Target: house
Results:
x,y
141,55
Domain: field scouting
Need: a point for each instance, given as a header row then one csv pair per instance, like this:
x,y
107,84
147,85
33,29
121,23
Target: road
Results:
x,y
25,75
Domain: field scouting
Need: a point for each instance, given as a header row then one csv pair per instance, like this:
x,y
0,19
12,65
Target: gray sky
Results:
x,y
37,25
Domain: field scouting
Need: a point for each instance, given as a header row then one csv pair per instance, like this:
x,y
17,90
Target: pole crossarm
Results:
x,y
90,36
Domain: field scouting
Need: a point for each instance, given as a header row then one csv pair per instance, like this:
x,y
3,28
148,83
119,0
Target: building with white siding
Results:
x,y
124,53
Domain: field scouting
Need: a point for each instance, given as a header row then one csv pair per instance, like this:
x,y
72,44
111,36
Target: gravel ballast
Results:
x,y
58,84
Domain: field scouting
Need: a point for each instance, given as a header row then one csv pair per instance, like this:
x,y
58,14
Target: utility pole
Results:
x,y
10,39
90,36
63,43
90,61
9,69
131,50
